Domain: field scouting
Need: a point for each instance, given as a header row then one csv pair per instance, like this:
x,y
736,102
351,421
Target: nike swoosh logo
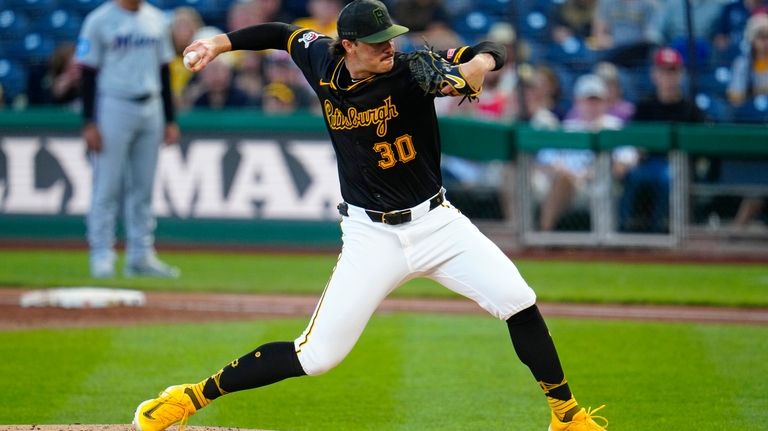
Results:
x,y
148,413
457,82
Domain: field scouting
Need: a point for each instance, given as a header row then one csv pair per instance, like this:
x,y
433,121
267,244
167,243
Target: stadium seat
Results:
x,y
534,25
213,12
754,110
714,107
715,82
60,24
13,24
35,47
33,8
473,26
82,7
573,53
13,77
500,9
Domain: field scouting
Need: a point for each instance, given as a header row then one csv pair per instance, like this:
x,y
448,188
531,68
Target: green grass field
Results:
x,y
408,372
610,282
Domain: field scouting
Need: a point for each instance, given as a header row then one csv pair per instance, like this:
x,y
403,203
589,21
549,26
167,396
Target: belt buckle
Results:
x,y
393,213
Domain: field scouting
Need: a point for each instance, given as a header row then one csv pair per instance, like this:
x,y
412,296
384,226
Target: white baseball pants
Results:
x,y
376,258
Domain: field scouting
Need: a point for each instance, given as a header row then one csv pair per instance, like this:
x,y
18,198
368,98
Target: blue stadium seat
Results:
x,y
82,7
715,82
573,54
13,78
35,48
213,12
33,8
714,107
534,25
13,24
754,110
61,24
501,9
474,26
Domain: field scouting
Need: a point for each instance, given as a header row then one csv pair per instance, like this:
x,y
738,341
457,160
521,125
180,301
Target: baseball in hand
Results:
x,y
191,59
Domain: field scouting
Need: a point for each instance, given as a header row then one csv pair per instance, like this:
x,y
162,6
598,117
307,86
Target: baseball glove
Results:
x,y
433,72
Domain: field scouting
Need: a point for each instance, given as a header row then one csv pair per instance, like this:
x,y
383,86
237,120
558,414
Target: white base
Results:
x,y
83,297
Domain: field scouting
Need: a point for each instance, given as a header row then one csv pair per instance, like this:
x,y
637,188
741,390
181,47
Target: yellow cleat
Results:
x,y
174,405
584,420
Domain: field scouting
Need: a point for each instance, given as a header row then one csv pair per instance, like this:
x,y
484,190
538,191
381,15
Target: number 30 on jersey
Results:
x,y
401,151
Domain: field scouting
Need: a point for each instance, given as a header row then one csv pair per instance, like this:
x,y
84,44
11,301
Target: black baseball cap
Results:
x,y
367,21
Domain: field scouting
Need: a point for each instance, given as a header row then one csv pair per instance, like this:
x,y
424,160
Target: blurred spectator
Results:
x,y
562,175
244,13
617,105
249,77
427,20
750,209
279,99
504,34
668,103
216,90
186,22
279,68
552,90
749,74
623,23
591,107
573,18
241,14
644,204
322,16
733,20
537,112
63,77
670,27
499,99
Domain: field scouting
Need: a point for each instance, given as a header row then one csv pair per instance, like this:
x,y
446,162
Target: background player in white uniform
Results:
x,y
396,224
124,49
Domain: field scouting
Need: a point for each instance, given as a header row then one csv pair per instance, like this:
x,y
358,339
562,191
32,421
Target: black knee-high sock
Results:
x,y
267,364
535,348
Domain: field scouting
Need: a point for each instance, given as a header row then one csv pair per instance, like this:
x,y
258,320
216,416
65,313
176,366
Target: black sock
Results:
x,y
535,348
267,364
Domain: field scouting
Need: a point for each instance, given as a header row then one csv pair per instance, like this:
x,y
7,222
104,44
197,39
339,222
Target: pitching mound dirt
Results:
x,y
107,427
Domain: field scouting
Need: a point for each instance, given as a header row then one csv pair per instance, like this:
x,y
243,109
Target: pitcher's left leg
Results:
x,y
479,270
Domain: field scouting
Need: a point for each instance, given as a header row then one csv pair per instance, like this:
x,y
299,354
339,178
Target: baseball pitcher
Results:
x,y
397,223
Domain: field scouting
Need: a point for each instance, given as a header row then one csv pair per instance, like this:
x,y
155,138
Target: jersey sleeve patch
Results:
x,y
307,38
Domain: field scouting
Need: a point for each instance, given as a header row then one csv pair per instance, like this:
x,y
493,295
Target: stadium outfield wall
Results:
x,y
240,178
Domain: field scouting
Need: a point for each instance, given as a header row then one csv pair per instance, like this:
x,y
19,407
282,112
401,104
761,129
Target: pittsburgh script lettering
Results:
x,y
352,119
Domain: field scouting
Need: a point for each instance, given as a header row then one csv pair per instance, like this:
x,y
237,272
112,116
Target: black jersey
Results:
x,y
384,128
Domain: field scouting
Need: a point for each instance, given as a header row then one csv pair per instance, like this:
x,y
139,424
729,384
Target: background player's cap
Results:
x,y
367,21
